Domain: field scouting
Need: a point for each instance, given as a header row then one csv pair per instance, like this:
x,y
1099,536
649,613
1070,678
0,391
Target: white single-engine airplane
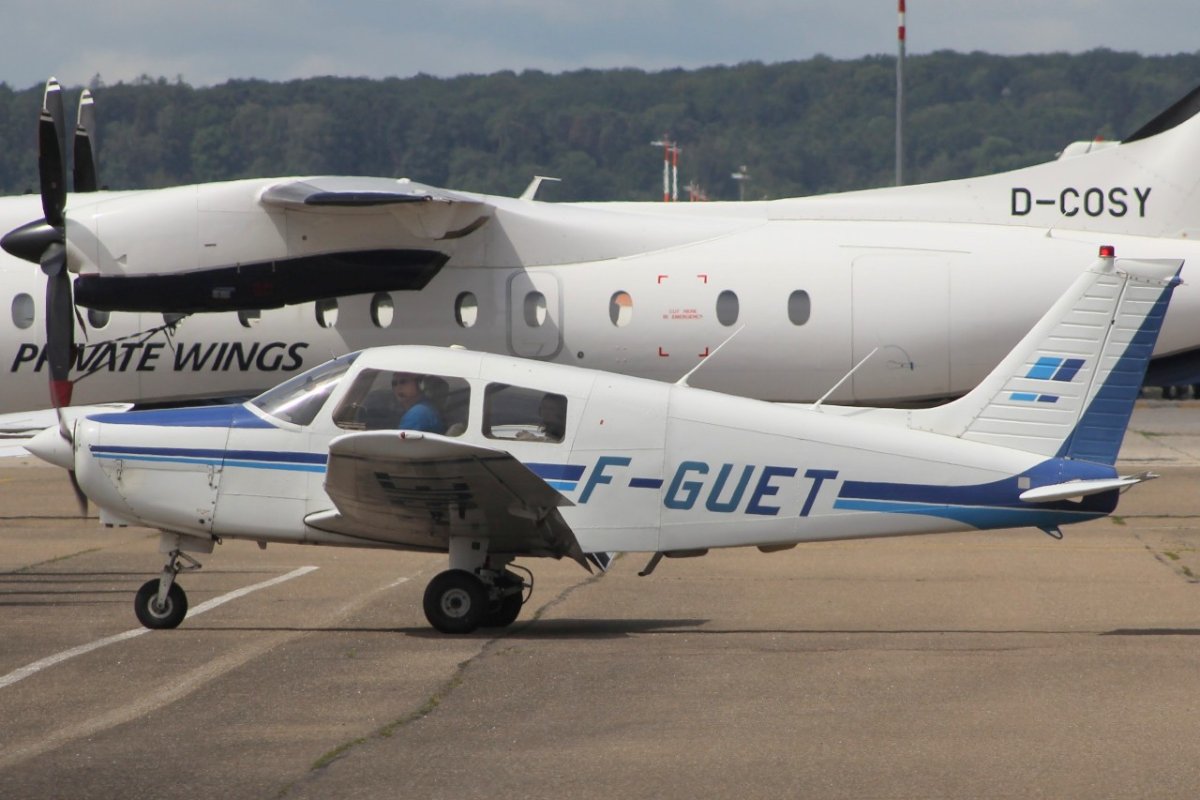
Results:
x,y
521,458
944,278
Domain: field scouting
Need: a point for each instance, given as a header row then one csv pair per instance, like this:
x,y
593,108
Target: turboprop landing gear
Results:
x,y
476,592
161,602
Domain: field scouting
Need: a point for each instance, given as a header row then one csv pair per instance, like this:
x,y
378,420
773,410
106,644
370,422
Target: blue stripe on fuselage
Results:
x,y
987,505
557,472
249,459
225,416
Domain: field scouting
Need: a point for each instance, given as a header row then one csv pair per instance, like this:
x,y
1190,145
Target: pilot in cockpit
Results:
x,y
415,411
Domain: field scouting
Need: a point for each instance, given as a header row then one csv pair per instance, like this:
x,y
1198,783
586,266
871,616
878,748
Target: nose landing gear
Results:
x,y
161,603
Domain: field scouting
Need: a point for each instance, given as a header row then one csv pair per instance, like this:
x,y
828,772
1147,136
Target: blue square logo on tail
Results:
x,y
1044,369
1053,368
1049,368
1067,371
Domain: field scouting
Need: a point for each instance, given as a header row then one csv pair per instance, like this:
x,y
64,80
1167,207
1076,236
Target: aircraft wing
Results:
x,y
427,211
419,489
349,192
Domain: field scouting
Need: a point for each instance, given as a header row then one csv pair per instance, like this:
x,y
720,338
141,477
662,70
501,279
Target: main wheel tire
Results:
x,y
171,613
504,612
456,602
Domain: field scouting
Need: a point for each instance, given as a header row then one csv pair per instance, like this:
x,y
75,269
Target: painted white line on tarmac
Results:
x,y
208,605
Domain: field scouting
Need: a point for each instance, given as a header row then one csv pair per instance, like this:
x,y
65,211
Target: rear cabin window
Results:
x,y
395,400
514,412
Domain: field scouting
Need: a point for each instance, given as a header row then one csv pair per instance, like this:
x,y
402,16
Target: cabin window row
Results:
x,y
466,310
391,400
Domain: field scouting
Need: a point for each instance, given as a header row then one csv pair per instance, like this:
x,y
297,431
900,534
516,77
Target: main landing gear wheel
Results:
x,y
151,614
456,602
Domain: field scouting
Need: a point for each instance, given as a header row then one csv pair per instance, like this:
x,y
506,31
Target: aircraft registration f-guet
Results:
x,y
489,458
943,278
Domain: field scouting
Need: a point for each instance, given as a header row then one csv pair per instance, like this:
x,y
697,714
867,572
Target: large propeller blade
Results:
x,y
60,323
60,314
85,178
52,168
44,242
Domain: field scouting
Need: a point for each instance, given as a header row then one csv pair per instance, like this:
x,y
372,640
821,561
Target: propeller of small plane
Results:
x,y
44,241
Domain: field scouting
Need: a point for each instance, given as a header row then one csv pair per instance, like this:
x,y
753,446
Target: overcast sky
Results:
x,y
212,41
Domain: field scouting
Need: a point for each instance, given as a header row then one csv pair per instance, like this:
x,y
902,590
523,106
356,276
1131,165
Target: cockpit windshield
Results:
x,y
298,400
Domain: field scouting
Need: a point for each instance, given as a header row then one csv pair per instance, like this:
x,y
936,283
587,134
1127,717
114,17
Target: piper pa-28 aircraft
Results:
x,y
944,278
526,459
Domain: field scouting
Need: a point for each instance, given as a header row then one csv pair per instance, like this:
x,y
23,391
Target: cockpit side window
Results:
x,y
392,400
514,412
299,399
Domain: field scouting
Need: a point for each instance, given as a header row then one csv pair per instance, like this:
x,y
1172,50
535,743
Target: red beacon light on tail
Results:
x,y
1108,251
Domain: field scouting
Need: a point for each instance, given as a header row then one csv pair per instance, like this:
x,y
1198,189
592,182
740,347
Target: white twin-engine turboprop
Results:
x,y
284,273
490,458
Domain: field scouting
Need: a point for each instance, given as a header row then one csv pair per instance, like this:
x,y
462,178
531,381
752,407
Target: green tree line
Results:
x,y
800,127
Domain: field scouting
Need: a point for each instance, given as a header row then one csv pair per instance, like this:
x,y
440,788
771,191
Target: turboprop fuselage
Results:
x,y
942,317
938,280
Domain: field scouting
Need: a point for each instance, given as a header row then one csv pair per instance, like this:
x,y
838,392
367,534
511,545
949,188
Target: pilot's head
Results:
x,y
406,386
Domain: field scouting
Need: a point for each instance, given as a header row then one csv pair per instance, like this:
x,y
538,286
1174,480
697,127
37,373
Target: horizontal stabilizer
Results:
x,y
1073,489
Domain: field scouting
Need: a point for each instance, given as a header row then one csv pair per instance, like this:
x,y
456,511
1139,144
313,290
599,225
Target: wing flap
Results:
x,y
418,489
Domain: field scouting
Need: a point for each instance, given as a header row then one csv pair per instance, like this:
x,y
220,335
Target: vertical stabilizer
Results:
x,y
1068,387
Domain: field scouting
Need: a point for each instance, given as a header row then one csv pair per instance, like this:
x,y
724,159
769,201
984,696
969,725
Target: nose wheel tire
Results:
x,y
168,615
456,602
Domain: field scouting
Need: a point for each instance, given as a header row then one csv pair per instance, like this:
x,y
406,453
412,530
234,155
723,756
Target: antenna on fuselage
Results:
x,y
534,185
909,365
684,380
817,405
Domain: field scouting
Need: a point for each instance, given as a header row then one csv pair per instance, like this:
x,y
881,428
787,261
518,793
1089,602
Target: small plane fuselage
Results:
x,y
635,460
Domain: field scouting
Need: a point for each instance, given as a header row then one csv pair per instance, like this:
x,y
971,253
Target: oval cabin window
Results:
x,y
799,307
727,308
382,310
466,310
327,312
22,311
620,309
535,309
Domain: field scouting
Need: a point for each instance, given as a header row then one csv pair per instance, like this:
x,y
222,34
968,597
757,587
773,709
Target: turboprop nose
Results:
x,y
50,445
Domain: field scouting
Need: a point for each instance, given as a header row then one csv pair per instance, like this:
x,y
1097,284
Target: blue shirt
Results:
x,y
422,417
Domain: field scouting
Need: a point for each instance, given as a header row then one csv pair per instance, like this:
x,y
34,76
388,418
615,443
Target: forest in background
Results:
x,y
802,127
